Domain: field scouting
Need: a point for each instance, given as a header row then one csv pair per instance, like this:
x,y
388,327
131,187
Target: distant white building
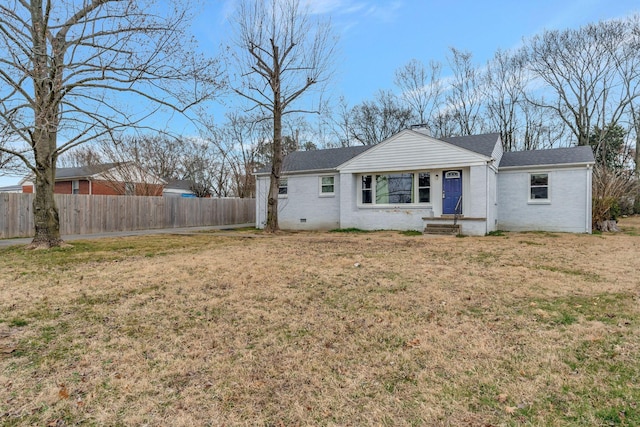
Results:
x,y
413,181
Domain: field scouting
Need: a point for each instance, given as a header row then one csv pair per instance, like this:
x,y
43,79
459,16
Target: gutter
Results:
x,y
547,165
306,171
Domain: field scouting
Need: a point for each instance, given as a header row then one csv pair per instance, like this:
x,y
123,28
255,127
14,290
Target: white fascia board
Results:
x,y
546,167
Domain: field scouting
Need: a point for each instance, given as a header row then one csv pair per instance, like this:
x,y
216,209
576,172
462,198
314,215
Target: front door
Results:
x,y
451,192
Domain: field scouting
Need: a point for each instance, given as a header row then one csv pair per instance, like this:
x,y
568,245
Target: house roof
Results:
x,y
83,171
554,156
11,189
179,184
482,144
316,160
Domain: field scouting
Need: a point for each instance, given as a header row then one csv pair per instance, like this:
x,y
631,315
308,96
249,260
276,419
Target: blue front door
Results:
x,y
451,192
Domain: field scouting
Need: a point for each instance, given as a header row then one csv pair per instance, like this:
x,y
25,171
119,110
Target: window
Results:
x,y
539,186
424,187
283,186
327,186
396,188
367,192
75,187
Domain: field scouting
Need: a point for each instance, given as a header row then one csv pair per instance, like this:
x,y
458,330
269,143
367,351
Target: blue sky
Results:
x,y
377,37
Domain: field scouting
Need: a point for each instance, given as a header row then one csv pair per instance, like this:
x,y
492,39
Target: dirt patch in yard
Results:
x,y
324,329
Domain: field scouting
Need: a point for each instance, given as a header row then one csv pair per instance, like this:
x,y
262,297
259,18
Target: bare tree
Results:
x,y
241,137
421,88
464,97
64,67
146,160
282,53
504,85
374,121
592,74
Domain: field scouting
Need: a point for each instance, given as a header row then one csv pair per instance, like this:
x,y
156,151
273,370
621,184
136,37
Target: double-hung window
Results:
x,y
283,187
395,188
539,187
75,187
424,187
327,185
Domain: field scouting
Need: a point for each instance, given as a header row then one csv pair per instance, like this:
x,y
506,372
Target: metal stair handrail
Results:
x,y
457,211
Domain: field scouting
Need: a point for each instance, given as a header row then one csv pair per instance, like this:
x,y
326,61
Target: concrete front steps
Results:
x,y
442,229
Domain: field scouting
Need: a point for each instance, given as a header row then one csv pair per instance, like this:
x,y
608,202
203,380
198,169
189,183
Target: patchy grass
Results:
x,y
323,329
349,230
411,233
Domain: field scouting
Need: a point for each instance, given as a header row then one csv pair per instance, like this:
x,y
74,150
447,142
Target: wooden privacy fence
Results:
x,y
82,214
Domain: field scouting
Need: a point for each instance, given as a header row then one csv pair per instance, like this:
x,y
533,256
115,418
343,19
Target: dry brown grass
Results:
x,y
324,329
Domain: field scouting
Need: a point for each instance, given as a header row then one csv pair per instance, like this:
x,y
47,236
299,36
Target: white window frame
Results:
x,y
75,186
415,187
283,183
418,188
530,186
322,185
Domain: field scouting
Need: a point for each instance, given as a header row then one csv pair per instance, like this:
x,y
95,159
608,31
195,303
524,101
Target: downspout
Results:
x,y
589,195
486,199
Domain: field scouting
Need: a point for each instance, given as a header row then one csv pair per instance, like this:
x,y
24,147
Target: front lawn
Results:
x,y
377,328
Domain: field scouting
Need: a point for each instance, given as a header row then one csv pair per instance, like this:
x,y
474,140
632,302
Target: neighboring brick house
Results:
x,y
110,179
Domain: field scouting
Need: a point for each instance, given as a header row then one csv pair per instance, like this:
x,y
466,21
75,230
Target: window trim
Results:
x,y
530,187
75,186
333,185
418,187
415,190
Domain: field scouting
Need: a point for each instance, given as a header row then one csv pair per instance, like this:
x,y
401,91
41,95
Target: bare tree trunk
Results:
x,y
45,212
276,154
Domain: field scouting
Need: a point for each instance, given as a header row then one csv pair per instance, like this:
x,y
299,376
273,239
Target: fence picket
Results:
x,y
82,214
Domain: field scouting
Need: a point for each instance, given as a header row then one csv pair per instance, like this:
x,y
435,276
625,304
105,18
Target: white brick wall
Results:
x,y
303,208
569,208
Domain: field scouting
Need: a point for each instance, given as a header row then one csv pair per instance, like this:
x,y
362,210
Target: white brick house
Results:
x,y
412,180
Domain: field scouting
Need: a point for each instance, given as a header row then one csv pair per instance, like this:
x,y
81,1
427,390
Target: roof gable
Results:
x,y
550,157
410,150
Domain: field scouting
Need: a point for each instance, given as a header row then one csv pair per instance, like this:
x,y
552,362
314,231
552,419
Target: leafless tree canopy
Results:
x,y
420,87
593,73
65,66
281,53
371,122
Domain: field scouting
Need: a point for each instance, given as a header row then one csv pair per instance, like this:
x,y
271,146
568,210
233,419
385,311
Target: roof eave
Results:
x,y
305,171
548,165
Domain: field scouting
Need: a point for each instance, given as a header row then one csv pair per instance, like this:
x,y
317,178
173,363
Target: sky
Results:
x,y
376,37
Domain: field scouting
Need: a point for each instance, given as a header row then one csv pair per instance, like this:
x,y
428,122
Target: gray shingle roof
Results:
x,y
554,156
313,160
318,160
481,144
180,184
84,171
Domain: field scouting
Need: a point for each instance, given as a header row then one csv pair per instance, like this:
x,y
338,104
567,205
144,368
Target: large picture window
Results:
x,y
539,186
395,188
